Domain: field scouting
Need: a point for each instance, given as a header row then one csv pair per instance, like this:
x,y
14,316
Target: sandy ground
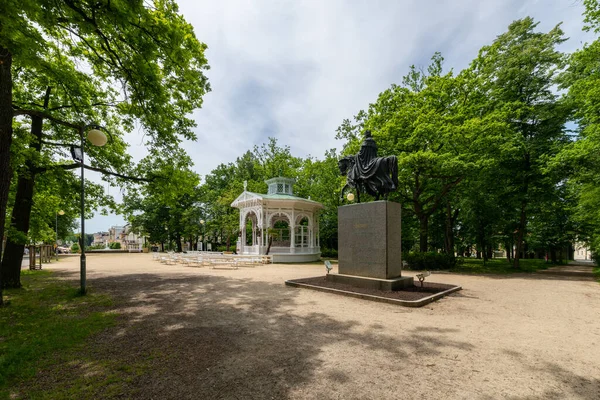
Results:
x,y
242,334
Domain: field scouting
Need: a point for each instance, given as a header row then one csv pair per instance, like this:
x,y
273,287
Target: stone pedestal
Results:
x,y
369,246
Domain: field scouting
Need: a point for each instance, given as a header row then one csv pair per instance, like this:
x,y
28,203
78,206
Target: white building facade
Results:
x,y
289,223
581,252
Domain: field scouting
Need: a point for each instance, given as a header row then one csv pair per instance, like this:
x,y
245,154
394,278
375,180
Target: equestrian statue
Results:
x,y
368,173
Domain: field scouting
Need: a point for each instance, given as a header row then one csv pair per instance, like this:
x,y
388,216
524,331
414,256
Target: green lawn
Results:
x,y
45,319
498,266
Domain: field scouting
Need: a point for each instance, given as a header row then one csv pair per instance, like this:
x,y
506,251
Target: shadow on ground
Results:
x,y
215,338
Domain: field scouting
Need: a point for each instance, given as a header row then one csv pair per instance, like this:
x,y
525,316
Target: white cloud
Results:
x,y
295,69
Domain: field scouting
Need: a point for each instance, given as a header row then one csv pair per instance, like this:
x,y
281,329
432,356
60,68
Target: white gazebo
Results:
x,y
292,222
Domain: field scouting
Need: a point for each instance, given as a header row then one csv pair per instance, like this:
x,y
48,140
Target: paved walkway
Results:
x,y
579,269
242,334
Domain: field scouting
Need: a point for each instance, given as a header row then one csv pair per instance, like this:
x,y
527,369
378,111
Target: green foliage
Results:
x,y
74,247
429,261
118,64
167,209
145,48
474,148
430,123
517,75
44,318
114,245
318,180
498,266
329,253
581,158
95,247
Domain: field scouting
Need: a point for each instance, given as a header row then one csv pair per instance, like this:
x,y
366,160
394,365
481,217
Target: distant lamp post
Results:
x,y
168,239
60,212
350,197
97,137
202,222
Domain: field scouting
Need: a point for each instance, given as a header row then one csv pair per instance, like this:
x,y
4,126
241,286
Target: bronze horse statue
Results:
x,y
380,179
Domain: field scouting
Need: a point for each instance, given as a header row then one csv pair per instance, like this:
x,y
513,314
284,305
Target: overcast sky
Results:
x,y
294,70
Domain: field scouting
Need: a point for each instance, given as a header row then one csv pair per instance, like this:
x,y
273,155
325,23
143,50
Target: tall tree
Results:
x,y
582,157
147,50
162,207
517,74
320,180
428,124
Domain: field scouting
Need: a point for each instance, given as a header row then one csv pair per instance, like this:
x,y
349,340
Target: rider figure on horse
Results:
x,y
365,165
371,171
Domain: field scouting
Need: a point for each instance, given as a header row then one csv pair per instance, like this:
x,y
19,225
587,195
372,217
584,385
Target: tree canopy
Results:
x,y
66,64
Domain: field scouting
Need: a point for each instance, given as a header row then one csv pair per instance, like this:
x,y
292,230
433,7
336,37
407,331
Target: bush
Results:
x,y
114,245
74,247
329,253
224,248
429,261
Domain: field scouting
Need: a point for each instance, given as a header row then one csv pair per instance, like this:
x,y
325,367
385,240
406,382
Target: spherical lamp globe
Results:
x,y
350,197
97,137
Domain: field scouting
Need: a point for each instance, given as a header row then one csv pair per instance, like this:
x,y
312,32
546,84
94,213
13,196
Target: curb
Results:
x,y
403,303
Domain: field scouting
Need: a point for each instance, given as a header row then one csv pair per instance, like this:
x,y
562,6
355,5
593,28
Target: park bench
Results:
x,y
221,261
191,261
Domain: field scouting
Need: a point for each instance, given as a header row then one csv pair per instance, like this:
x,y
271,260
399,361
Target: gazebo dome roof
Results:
x,y
281,185
247,198
281,189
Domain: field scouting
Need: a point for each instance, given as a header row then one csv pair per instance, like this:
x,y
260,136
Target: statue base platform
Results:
x,y
373,283
370,240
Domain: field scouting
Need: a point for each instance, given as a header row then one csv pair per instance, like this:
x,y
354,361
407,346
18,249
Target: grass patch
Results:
x,y
47,319
498,266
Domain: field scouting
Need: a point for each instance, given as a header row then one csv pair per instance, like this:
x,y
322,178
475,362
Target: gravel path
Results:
x,y
242,334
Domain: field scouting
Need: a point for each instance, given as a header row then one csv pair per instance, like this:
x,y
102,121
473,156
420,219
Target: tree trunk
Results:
x,y
553,257
13,254
423,226
481,241
523,216
6,117
178,238
508,248
520,236
21,213
449,234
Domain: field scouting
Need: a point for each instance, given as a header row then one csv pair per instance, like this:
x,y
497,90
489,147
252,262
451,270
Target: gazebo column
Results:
x,y
243,243
292,238
315,231
292,226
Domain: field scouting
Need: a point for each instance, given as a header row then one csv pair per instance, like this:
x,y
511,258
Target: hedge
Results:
x,y
429,261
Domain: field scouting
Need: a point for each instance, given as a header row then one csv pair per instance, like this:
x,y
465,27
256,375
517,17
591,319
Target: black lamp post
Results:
x,y
97,138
